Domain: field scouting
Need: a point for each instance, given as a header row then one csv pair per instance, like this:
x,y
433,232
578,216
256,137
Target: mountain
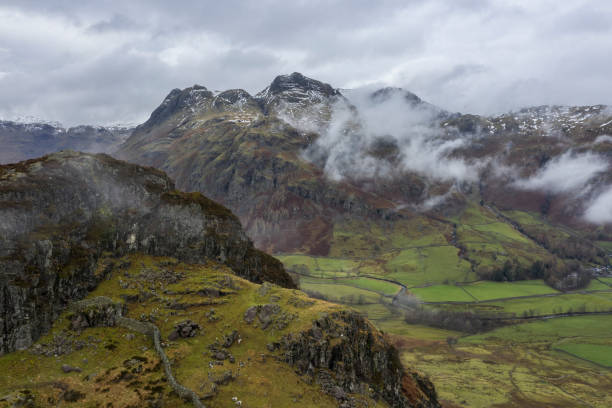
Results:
x,y
31,139
301,162
233,150
116,287
454,233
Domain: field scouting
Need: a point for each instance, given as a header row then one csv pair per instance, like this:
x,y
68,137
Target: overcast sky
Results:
x,y
102,62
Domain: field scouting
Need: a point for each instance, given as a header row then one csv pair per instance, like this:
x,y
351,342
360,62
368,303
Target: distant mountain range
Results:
x,y
21,140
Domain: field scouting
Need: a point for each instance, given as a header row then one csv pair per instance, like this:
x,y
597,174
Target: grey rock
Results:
x,y
69,369
250,314
52,233
229,339
342,351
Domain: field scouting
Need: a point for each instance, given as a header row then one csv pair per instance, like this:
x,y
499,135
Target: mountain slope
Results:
x,y
300,160
251,161
62,211
168,318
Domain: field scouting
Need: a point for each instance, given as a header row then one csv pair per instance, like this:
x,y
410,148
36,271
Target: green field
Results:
x,y
501,231
437,264
413,331
596,284
375,285
442,293
551,330
597,353
605,244
376,312
536,363
595,302
482,291
337,292
320,267
485,290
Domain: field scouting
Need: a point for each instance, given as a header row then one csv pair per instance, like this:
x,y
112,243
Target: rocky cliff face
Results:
x,y
345,354
59,213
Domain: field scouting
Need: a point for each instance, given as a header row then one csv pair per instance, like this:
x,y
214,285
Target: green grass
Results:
x,y
597,353
475,214
523,217
494,290
442,293
594,302
431,265
605,244
375,285
374,312
596,284
292,261
483,290
418,232
319,266
108,349
337,265
551,330
338,292
398,327
501,231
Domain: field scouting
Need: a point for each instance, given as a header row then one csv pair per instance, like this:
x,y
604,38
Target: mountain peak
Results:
x,y
192,98
296,90
383,94
299,82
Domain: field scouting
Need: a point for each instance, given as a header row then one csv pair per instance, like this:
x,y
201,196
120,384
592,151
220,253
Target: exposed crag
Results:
x,y
345,354
59,213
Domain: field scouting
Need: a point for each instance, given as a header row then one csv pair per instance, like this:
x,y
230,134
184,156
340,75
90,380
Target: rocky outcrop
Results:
x,y
100,311
345,354
59,213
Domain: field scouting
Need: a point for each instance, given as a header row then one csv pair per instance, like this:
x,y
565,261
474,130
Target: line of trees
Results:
x,y
457,320
566,275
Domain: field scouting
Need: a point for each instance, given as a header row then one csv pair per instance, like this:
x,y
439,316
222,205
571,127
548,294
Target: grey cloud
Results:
x,y
568,172
423,148
599,210
103,62
118,22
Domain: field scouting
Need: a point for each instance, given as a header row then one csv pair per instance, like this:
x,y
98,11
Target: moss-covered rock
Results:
x,y
73,207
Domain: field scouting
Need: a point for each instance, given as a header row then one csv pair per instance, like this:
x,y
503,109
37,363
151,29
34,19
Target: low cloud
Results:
x,y
112,61
394,126
603,139
600,209
568,172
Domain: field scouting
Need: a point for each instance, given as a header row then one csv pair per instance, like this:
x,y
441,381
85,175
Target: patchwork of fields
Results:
x,y
380,269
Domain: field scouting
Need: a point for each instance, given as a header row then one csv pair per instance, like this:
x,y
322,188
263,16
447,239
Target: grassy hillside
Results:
x,y
114,366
